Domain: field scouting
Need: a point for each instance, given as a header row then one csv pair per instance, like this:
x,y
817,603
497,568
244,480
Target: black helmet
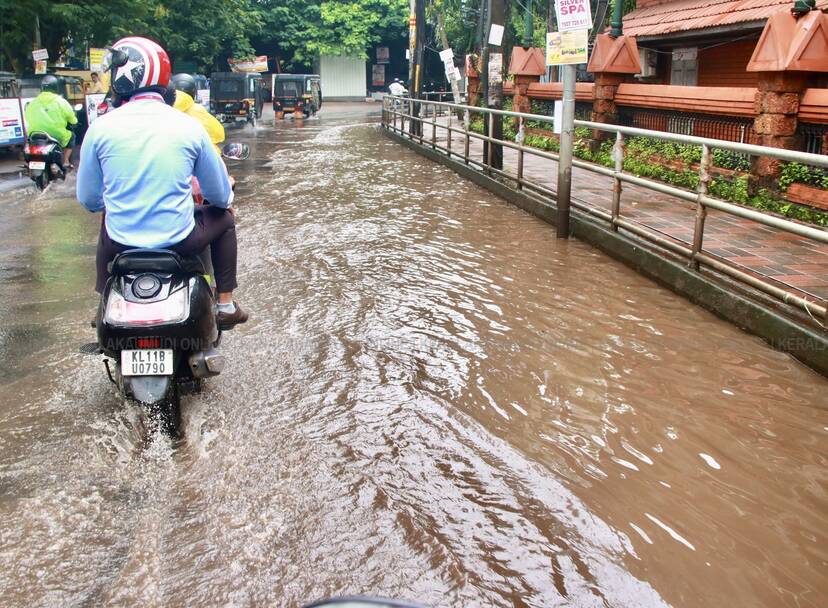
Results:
x,y
186,83
50,83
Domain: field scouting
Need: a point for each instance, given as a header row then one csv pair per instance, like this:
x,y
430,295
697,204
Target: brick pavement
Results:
x,y
792,262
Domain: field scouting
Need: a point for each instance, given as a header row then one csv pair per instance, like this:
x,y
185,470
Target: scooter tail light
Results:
x,y
120,311
35,150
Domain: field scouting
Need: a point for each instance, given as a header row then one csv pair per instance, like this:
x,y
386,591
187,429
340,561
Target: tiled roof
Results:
x,y
687,15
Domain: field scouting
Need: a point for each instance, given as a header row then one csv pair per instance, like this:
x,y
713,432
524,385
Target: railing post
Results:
x,y
519,140
618,156
701,210
434,127
467,124
490,144
448,135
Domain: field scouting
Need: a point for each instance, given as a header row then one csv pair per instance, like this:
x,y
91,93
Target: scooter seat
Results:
x,y
41,137
163,261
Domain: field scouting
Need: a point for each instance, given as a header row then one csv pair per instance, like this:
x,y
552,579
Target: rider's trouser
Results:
x,y
214,226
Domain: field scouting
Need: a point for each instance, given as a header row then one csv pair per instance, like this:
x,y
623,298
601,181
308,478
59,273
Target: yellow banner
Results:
x,y
564,48
96,57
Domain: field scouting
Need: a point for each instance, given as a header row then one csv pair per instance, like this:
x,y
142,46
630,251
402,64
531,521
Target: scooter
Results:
x,y
43,157
156,326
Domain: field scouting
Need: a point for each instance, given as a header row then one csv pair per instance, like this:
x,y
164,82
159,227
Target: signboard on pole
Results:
x,y
496,34
92,103
11,122
567,48
40,66
446,55
40,54
383,55
495,75
452,73
96,57
259,64
204,97
378,75
573,15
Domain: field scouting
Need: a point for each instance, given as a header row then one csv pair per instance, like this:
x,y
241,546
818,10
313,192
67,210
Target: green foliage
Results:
x,y
727,159
802,174
204,31
543,142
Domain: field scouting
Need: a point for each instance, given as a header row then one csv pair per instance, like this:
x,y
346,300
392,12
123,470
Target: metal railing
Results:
x,y
729,128
438,116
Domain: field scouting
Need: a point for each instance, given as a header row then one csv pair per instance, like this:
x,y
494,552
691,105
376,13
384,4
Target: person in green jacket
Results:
x,y
52,114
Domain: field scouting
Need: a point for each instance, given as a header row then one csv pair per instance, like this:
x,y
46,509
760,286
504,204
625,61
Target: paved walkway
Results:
x,y
792,262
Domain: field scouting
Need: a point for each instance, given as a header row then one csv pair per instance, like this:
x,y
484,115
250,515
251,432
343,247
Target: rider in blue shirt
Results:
x,y
137,165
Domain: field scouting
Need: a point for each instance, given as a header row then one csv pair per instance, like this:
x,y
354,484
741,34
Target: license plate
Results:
x,y
147,362
37,164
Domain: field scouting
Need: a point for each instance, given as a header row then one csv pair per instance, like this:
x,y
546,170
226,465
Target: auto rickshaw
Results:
x,y
236,96
296,93
8,85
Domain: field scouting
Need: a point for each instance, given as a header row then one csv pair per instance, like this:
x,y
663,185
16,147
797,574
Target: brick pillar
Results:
x,y
791,47
474,89
777,106
526,65
603,101
613,61
521,101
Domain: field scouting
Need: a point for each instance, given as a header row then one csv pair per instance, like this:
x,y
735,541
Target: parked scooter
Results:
x,y
156,325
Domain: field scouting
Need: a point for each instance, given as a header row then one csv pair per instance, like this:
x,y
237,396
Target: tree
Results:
x,y
204,31
300,32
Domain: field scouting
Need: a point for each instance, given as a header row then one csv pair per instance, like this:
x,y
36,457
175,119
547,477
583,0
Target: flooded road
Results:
x,y
434,399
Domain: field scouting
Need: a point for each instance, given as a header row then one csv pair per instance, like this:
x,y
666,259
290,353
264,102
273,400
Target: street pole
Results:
x,y
528,26
497,14
416,88
617,22
412,41
485,16
565,155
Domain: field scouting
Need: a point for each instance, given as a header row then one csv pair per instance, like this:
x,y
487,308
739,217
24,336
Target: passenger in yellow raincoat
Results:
x,y
185,93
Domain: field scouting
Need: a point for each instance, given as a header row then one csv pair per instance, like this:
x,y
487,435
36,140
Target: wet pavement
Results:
x,y
790,262
434,399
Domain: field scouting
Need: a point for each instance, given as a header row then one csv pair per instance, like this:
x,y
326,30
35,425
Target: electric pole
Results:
x,y
497,16
416,88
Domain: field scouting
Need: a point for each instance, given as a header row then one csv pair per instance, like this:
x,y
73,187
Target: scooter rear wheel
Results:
x,y
42,180
169,412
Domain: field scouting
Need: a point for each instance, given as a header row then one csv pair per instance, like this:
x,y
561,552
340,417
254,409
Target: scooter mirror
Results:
x,y
236,151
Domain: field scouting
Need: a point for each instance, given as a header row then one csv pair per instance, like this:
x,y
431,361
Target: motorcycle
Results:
x,y
43,157
156,326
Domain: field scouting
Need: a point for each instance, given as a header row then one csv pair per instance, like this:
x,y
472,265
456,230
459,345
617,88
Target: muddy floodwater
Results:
x,y
434,400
